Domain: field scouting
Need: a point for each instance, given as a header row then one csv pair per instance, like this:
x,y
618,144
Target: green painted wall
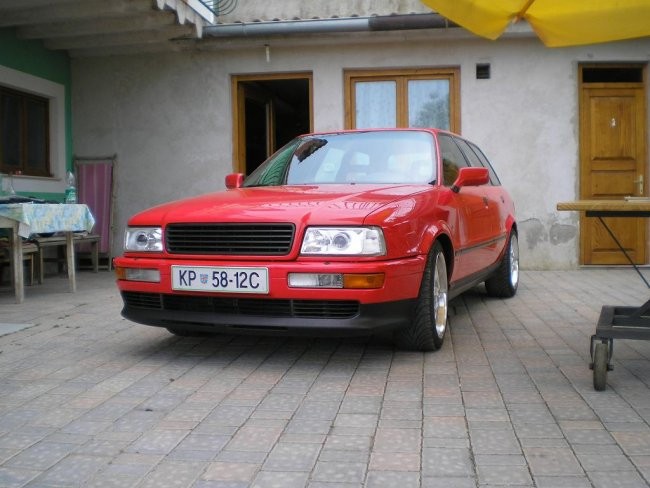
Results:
x,y
32,58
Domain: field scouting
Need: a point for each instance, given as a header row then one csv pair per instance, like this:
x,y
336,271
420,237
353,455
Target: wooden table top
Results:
x,y
636,205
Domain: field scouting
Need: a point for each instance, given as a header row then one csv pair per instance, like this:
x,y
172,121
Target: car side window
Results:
x,y
474,160
486,163
452,159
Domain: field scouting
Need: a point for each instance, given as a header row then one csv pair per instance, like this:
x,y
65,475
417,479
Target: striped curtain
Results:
x,y
95,189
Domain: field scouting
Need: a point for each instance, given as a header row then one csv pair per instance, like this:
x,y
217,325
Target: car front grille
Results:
x,y
330,309
142,300
230,239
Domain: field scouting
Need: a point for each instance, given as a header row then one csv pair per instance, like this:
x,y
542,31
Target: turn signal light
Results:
x,y
368,281
120,273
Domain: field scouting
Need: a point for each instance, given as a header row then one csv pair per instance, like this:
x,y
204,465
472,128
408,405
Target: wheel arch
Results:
x,y
513,228
448,249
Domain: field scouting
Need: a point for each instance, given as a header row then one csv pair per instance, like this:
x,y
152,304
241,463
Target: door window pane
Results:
x,y
452,159
428,103
376,104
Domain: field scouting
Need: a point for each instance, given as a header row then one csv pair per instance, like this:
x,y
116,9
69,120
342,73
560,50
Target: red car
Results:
x,y
342,232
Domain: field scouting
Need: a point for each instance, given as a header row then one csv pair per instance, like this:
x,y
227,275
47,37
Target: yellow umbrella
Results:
x,y
556,22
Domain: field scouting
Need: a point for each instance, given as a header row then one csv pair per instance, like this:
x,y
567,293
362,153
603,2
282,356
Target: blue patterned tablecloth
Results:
x,y
37,218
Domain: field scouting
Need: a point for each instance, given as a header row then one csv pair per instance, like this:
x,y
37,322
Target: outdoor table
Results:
x,y
615,322
24,219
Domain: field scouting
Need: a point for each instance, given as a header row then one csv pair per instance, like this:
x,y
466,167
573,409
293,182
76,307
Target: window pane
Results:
x,y
376,104
36,137
428,103
11,132
452,159
469,154
493,176
474,160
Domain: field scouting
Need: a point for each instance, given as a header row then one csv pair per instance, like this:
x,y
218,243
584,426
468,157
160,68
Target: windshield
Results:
x,y
382,157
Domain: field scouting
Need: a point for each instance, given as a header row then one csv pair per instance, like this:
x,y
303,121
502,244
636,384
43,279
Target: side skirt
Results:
x,y
459,286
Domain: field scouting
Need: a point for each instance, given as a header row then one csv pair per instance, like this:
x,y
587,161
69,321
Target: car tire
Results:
x,y
426,332
505,280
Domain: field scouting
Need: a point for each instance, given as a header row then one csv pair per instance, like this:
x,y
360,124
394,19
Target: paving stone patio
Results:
x,y
88,399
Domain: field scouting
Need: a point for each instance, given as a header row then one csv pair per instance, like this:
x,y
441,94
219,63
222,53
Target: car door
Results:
x,y
492,194
473,228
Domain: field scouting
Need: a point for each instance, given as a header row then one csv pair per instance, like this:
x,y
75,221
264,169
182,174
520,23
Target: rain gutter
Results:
x,y
327,26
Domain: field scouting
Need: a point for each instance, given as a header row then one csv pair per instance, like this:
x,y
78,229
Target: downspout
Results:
x,y
327,26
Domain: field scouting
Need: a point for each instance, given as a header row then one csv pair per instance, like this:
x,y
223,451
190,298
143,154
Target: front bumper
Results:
x,y
283,309
292,317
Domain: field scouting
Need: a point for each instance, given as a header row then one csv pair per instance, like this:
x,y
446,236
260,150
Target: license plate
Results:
x,y
231,280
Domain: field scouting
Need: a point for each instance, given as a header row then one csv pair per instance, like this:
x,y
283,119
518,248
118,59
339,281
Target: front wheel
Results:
x,y
505,280
427,330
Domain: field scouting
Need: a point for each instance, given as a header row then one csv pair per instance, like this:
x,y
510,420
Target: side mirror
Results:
x,y
471,177
234,180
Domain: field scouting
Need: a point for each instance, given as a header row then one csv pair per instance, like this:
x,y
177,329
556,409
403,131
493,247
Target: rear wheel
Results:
x,y
503,283
427,330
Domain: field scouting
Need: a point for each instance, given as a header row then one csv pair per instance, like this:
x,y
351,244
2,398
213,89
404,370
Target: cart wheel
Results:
x,y
601,354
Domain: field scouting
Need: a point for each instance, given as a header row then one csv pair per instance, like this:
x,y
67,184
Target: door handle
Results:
x,y
639,182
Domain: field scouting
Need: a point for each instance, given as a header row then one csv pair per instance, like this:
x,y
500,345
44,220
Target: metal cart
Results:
x,y
615,322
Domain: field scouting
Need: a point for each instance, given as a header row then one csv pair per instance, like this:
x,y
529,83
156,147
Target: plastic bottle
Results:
x,y
71,189
10,187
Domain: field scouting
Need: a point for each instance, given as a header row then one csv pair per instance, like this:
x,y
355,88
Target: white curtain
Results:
x,y
428,102
375,103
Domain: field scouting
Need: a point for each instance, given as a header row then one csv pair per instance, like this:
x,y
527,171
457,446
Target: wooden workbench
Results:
x,y
609,208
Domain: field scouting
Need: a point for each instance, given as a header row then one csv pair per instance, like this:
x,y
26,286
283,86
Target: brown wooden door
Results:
x,y
613,166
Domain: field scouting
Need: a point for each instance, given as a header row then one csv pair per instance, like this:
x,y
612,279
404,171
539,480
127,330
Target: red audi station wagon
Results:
x,y
343,232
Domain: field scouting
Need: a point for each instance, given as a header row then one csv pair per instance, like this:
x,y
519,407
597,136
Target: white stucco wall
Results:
x,y
168,116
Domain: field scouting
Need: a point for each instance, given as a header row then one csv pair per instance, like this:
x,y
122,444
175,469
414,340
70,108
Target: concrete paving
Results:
x,y
88,399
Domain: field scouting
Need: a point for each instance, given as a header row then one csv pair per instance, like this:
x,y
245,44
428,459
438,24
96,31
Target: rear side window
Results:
x,y
493,175
452,159
477,159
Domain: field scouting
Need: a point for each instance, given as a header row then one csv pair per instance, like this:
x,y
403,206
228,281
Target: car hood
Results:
x,y
325,204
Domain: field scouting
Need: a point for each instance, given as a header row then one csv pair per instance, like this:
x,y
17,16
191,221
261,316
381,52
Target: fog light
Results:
x,y
138,274
315,280
335,280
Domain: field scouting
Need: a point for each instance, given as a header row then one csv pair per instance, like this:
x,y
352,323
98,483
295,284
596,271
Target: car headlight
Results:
x,y
343,241
143,239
